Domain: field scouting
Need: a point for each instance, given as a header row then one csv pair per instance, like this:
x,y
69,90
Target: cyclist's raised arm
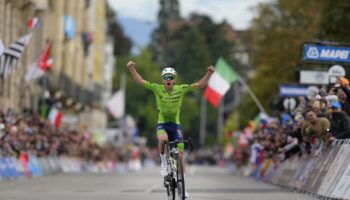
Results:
x,y
138,78
204,80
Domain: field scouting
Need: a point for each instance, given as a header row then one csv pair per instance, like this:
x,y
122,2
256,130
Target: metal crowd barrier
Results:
x,y
325,175
31,166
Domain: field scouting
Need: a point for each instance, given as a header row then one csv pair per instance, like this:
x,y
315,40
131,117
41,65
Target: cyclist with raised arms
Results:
x,y
169,99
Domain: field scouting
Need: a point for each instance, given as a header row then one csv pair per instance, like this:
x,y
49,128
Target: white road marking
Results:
x,y
149,190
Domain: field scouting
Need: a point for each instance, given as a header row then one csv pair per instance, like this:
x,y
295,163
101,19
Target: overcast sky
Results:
x,y
237,12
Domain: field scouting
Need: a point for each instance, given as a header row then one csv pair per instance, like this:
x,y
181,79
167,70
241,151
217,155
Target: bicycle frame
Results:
x,y
173,180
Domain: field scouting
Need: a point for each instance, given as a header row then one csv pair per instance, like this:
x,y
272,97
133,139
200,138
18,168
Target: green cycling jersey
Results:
x,y
169,103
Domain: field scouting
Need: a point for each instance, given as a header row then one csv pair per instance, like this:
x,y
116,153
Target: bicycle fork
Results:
x,y
170,178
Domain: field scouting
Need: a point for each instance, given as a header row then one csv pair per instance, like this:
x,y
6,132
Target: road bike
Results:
x,y
175,180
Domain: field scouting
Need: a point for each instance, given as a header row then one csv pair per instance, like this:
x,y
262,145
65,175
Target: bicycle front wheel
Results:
x,y
171,189
180,179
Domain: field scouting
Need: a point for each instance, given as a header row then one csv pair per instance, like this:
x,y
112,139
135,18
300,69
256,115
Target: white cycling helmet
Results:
x,y
168,71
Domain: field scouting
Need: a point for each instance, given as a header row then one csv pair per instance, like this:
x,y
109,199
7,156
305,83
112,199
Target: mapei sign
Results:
x,y
324,53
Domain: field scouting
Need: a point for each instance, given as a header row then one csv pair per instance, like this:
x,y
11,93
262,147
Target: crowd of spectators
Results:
x,y
310,127
31,134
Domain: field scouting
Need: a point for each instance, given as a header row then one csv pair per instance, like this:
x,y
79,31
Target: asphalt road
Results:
x,y
203,183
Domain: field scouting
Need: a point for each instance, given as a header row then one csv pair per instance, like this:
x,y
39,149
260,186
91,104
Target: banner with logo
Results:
x,y
314,77
326,53
289,90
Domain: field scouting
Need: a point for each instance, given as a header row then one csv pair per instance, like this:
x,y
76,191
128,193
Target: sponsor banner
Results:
x,y
292,90
4,173
324,53
31,166
9,161
34,166
314,77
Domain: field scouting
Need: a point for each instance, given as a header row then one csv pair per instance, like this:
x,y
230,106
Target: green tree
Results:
x,y
197,42
190,56
140,103
278,31
216,36
335,21
169,11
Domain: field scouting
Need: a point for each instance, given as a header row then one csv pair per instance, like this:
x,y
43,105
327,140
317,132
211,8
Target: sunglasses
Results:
x,y
168,78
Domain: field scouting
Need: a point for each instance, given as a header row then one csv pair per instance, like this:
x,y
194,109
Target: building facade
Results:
x,y
77,30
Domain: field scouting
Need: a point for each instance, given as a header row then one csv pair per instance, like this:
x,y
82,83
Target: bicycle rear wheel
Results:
x,y
180,179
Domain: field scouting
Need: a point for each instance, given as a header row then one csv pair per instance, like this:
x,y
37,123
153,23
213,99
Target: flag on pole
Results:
x,y
55,117
116,105
220,82
2,48
40,66
11,55
243,140
32,23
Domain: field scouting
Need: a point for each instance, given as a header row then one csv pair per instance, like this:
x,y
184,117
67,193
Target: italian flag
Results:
x,y
55,117
220,82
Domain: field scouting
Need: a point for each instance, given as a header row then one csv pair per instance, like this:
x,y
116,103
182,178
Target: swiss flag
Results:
x,y
32,22
40,66
45,61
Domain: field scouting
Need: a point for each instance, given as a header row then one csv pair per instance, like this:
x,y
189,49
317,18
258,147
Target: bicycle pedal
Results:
x,y
166,184
166,181
167,178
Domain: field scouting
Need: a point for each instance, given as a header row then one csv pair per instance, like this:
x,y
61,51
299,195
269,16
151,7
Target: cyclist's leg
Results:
x,y
162,137
178,136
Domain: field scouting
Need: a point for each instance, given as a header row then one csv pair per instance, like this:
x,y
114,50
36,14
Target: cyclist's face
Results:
x,y
169,81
